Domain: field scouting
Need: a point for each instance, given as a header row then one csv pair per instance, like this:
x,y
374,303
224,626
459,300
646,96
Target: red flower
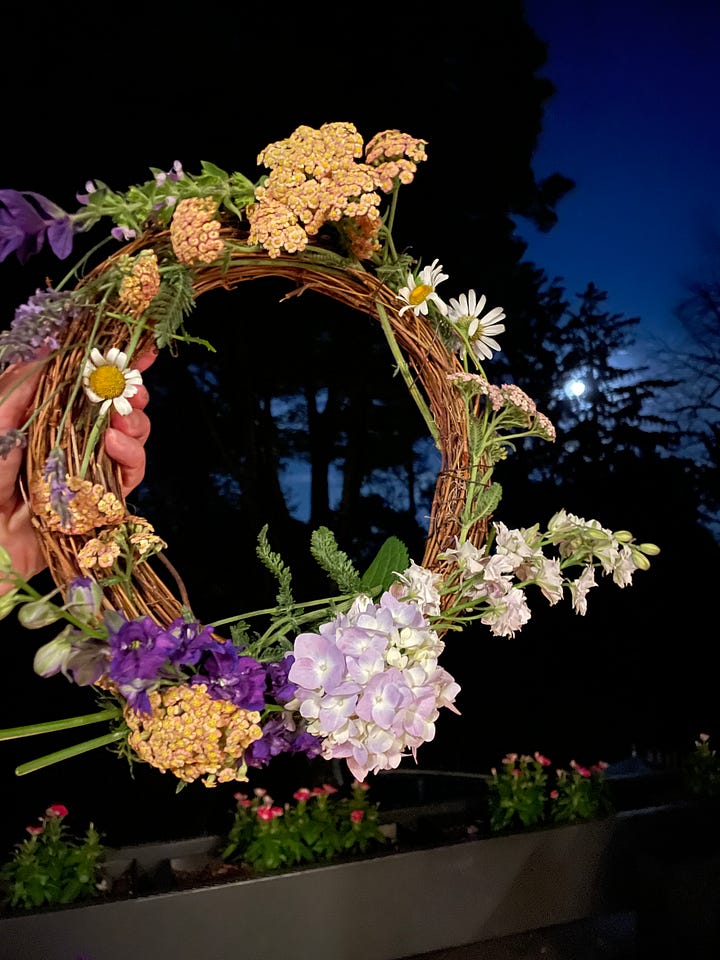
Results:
x,y
357,816
302,794
34,831
543,761
57,810
583,771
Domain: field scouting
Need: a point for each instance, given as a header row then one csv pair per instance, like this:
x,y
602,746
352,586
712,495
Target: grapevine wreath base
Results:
x,y
355,676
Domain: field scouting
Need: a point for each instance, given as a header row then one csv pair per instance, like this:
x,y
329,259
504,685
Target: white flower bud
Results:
x,y
52,657
38,613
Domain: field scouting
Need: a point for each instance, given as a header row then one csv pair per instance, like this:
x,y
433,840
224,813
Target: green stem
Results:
x,y
406,375
270,611
51,726
69,752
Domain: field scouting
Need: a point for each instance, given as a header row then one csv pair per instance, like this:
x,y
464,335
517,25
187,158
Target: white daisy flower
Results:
x,y
464,313
418,293
107,382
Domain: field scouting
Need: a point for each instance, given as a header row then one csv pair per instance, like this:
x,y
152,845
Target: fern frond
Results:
x,y
277,567
174,302
336,564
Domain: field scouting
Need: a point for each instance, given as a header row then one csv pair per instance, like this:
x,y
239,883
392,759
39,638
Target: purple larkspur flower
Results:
x,y
37,324
139,654
139,650
88,660
27,220
241,680
281,736
281,688
192,641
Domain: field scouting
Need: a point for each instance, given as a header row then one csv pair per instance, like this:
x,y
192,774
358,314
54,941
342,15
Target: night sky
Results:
x,y
632,123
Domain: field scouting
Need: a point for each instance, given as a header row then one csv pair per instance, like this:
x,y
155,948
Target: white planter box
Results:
x,y
383,908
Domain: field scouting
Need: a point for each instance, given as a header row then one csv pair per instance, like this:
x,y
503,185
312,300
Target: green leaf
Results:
x,y
392,558
61,755
210,169
486,501
51,726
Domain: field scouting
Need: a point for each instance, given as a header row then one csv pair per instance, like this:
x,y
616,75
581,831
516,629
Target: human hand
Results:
x,y
125,439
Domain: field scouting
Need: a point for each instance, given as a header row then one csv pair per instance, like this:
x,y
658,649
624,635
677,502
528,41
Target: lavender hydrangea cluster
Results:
x,y
369,684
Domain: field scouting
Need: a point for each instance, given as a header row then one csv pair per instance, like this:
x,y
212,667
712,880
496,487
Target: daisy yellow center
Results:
x,y
107,382
421,292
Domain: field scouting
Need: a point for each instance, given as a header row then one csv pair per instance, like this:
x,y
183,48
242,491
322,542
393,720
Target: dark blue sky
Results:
x,y
634,123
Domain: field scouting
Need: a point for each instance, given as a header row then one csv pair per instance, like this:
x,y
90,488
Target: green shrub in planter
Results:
x,y
52,866
320,826
523,793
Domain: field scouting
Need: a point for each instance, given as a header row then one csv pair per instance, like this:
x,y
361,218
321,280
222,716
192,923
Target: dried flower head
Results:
x,y
88,505
194,231
141,282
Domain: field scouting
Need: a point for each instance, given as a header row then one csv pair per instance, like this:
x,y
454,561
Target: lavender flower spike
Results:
x,y
26,225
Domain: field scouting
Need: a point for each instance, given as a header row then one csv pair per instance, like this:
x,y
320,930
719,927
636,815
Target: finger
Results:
x,y
135,425
146,360
17,390
139,401
129,453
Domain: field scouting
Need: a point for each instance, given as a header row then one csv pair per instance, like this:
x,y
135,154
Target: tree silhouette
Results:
x,y
697,408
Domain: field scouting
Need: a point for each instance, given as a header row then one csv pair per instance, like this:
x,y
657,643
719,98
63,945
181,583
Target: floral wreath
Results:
x,y
355,676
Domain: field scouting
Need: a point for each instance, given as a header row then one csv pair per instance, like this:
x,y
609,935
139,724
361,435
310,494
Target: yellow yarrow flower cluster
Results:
x,y
192,735
141,282
194,231
89,505
135,538
395,155
102,551
315,179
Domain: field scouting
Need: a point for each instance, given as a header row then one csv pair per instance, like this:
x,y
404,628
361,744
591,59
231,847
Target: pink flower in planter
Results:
x,y
302,794
34,831
583,771
543,761
57,810
357,816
